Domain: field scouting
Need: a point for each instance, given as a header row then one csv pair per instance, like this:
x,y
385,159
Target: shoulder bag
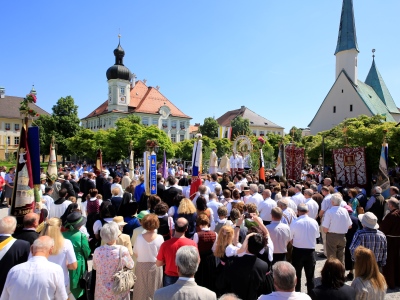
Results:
x,y
123,279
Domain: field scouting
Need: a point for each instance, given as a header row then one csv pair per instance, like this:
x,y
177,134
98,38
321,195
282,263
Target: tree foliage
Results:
x,y
240,126
209,128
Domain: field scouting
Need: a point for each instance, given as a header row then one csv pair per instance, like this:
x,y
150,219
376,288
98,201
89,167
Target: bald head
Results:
x,y
31,220
181,225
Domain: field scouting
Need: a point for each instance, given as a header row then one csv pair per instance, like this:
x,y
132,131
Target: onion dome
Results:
x,y
118,70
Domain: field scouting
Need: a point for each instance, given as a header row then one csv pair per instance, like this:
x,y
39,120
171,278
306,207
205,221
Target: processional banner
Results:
x,y
294,161
350,166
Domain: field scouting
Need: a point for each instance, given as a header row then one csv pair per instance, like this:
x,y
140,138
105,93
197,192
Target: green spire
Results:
x,y
347,31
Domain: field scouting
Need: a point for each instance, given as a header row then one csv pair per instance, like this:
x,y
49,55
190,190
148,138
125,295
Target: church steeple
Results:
x,y
347,48
347,38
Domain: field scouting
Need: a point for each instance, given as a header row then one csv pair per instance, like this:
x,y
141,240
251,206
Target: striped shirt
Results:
x,y
372,239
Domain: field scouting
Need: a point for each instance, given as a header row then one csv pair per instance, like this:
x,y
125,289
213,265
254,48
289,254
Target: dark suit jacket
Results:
x,y
18,253
184,290
160,190
83,186
245,277
75,186
170,194
100,182
344,293
70,189
28,235
107,190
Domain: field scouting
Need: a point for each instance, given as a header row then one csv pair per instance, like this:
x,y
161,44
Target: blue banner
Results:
x,y
153,174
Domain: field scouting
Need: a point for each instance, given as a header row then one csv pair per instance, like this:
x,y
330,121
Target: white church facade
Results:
x,y
349,97
127,96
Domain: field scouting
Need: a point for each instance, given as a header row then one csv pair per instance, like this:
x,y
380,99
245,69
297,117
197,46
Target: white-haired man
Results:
x,y
255,197
311,203
187,261
298,197
335,225
376,204
37,278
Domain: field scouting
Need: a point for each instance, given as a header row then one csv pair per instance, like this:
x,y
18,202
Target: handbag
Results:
x,y
123,279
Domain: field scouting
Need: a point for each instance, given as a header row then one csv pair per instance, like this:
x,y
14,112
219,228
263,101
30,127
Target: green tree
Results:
x,y
295,134
209,128
47,129
275,140
268,153
83,144
223,146
240,126
156,134
184,149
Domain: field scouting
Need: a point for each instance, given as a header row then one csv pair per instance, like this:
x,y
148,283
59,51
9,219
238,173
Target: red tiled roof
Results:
x,y
193,128
143,99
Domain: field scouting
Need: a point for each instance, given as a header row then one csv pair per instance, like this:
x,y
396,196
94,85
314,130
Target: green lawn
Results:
x,y
14,164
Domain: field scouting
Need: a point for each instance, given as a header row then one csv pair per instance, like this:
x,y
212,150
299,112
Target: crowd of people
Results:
x,y
235,238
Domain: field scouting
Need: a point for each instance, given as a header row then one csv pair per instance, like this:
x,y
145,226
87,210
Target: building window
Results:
x,y
254,132
8,140
261,132
8,126
351,107
334,109
182,125
279,132
145,121
122,91
16,127
16,140
155,122
173,137
181,137
173,124
164,124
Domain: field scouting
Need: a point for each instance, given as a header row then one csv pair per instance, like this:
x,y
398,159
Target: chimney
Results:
x,y
2,92
242,108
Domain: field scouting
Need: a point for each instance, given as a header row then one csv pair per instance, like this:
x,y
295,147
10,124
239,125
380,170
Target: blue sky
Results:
x,y
275,57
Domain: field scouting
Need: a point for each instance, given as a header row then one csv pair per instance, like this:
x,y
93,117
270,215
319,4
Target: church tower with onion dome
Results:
x,y
119,83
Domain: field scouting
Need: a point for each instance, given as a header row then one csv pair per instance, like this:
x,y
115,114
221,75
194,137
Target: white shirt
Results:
x,y
265,207
48,201
35,279
304,231
337,220
212,185
84,206
214,207
280,235
66,256
298,198
312,208
145,251
57,210
326,203
256,198
97,225
285,296
196,236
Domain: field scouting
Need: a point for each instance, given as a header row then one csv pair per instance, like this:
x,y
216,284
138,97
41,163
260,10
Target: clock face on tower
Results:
x,y
122,100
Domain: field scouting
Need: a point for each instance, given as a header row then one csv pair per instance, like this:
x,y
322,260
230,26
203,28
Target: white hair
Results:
x,y
8,225
309,192
336,199
254,188
243,184
42,244
109,232
378,190
187,260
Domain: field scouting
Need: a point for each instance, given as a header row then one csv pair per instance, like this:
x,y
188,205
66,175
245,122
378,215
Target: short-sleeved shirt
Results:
x,y
66,256
304,231
337,220
168,251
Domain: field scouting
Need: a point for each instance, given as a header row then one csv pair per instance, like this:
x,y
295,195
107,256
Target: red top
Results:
x,y
1,183
168,250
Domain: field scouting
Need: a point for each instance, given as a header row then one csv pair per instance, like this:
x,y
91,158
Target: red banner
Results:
x,y
350,166
294,161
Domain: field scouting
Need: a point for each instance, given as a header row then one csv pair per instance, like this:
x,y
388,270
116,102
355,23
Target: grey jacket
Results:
x,y
184,290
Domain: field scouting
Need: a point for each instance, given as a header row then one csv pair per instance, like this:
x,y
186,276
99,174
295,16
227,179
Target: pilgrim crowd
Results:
x,y
234,238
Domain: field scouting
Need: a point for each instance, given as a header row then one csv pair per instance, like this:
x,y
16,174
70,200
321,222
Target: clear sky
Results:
x,y
208,56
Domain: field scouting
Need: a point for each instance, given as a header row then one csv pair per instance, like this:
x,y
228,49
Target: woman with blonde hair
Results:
x,y
187,210
63,251
369,282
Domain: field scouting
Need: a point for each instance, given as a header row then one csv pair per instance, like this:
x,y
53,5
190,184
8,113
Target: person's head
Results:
x,y
187,260
115,191
171,180
352,193
62,193
253,188
276,214
366,267
336,199
48,190
302,209
202,220
225,237
298,188
261,188
325,190
283,203
327,181
266,194
251,208
153,201
109,232
201,203
150,222
308,193
42,246
93,193
31,220
8,225
161,209
212,196
314,188
52,228
236,194
107,210
256,243
202,189
181,225
369,220
332,274
186,207
284,276
393,203
99,196
235,214
229,296
377,190
222,212
394,190
214,177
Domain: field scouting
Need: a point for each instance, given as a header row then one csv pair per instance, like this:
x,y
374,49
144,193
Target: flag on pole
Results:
x,y
34,153
164,166
52,166
261,171
279,168
383,178
221,132
196,166
229,132
99,161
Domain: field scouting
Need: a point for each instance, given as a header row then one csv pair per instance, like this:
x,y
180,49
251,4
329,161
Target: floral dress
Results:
x,y
105,262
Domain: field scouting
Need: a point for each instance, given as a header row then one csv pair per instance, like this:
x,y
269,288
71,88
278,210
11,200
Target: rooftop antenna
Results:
x,y
373,53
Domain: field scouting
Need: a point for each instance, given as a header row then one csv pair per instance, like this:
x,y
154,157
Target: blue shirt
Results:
x,y
132,223
139,190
